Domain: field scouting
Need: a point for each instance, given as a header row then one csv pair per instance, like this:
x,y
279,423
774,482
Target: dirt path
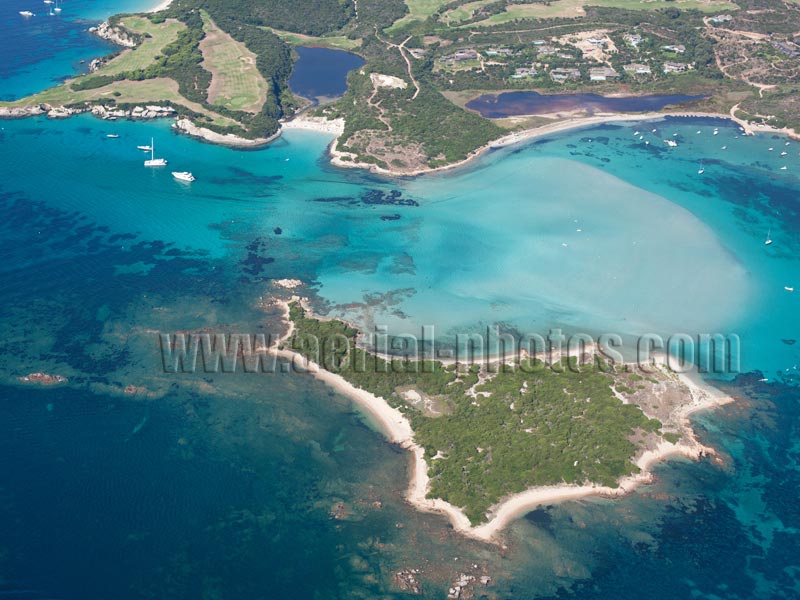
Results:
x,y
402,48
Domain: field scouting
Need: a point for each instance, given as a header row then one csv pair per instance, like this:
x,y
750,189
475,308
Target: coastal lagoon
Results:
x,y
129,482
510,104
321,73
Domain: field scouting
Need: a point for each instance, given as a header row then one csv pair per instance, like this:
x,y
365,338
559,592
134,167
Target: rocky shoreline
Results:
x,y
224,139
115,35
150,111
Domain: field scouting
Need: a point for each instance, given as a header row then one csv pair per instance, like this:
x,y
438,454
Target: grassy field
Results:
x,y
419,10
573,8
122,92
235,81
144,54
463,12
298,39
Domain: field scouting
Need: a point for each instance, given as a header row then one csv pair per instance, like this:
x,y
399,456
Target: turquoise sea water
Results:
x,y
40,51
272,486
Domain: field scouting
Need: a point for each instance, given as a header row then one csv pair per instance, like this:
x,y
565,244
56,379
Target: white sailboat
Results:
x,y
154,162
788,289
26,13
57,8
144,148
183,176
768,241
702,169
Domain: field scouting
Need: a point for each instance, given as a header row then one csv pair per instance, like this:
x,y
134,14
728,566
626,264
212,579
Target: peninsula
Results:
x,y
492,442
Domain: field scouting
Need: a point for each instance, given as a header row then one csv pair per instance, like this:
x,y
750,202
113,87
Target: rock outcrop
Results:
x,y
22,112
150,111
115,35
225,139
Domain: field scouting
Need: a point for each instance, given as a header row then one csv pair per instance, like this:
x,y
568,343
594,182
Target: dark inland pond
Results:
x,y
321,74
511,104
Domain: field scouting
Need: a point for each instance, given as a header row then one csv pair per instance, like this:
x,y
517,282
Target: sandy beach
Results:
x,y
347,160
320,124
162,6
398,430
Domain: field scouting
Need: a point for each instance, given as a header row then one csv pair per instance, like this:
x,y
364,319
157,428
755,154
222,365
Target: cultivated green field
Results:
x,y
235,81
160,35
298,39
574,8
419,10
149,91
463,12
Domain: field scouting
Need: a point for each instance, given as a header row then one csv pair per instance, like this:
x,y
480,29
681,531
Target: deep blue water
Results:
x,y
321,72
509,104
225,486
40,51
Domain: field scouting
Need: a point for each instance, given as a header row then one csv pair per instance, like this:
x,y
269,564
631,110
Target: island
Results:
x,y
442,78
492,441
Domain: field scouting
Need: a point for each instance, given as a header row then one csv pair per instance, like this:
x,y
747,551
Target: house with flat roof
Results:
x,y
562,74
524,72
602,74
675,67
634,39
637,69
721,19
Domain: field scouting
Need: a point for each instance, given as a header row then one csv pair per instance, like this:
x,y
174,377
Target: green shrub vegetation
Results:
x,y
526,425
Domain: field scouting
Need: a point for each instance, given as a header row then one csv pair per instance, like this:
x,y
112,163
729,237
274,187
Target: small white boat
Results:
x,y
788,289
674,135
641,137
784,168
768,241
700,171
112,136
183,176
48,1
671,143
784,153
154,162
654,130
787,143
716,132
698,131
144,148
724,147
771,149
635,133
26,13
647,143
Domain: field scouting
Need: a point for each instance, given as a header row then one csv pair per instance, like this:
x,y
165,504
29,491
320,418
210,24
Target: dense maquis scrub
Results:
x,y
493,431
311,17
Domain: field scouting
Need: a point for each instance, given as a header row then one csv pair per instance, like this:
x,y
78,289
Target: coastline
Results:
x,y
398,430
223,139
161,6
347,160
